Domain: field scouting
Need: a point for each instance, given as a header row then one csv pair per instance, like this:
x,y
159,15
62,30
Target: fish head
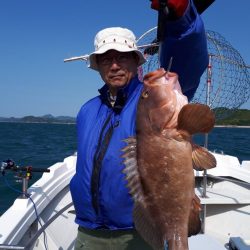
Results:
x,y
161,99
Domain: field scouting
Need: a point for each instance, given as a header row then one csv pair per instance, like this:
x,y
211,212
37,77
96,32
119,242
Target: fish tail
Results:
x,y
196,118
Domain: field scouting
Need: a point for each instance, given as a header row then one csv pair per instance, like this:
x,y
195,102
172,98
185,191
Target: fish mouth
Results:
x,y
152,77
159,77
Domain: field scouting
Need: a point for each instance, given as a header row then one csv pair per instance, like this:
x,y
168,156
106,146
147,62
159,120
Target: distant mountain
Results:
x,y
48,116
40,119
238,117
224,116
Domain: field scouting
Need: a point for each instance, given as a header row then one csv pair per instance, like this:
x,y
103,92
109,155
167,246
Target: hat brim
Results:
x,y
92,57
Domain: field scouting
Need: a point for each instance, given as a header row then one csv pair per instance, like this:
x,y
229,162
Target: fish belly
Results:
x,y
165,168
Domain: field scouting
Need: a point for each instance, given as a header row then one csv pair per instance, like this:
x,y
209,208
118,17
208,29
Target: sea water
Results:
x,y
42,145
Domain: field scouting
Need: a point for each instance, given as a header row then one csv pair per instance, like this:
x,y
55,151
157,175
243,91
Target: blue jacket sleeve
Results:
x,y
185,41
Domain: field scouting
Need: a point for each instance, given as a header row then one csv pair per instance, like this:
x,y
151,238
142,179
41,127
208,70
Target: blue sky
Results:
x,y
36,36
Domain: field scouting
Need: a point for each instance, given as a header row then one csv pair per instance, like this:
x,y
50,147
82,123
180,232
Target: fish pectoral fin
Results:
x,y
196,118
194,223
202,158
145,226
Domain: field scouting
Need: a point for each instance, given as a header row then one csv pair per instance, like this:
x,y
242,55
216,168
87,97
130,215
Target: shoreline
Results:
x,y
231,126
38,122
70,122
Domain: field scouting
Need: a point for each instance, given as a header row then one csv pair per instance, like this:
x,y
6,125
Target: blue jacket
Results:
x,y
98,188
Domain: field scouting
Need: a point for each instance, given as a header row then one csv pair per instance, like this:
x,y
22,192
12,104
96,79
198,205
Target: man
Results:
x,y
101,199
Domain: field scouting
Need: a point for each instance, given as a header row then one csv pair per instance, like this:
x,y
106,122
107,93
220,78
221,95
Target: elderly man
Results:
x,y
102,202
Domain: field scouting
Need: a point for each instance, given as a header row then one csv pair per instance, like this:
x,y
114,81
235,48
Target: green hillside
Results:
x,y
239,117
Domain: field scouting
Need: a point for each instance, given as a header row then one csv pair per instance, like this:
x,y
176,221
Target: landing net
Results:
x,y
224,86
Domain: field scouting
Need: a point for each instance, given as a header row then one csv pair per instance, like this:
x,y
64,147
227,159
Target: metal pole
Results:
x,y
3,246
204,195
75,58
24,187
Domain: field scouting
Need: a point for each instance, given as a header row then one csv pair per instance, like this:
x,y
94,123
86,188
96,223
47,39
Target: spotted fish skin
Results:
x,y
160,161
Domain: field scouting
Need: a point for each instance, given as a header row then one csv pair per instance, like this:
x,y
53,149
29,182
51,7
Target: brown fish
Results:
x,y
160,160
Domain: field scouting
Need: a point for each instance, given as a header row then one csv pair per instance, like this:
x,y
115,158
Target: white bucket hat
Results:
x,y
115,38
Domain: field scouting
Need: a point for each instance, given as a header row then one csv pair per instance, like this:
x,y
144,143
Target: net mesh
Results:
x,y
224,86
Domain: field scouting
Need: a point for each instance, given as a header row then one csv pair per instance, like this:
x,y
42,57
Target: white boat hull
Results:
x,y
227,207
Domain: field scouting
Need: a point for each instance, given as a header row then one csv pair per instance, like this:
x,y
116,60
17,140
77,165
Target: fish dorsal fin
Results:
x,y
194,224
131,169
142,220
196,118
202,158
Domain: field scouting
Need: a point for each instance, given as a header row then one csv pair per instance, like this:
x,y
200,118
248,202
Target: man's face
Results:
x,y
117,68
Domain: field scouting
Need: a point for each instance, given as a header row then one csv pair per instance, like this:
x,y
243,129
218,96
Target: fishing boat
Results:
x,y
43,218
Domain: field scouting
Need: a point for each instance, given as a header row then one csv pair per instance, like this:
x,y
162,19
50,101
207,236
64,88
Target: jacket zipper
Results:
x,y
102,146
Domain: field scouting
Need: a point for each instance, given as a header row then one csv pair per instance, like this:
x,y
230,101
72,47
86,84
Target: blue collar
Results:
x,y
122,95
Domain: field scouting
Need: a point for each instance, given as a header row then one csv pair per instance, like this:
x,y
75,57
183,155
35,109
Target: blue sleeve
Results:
x,y
185,41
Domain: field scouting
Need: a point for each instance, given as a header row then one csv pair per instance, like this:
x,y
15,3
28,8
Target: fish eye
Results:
x,y
145,94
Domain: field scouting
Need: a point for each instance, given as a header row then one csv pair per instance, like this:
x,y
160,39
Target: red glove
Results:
x,y
177,6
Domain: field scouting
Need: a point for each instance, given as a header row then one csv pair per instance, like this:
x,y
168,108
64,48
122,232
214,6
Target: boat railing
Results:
x,y
228,179
41,230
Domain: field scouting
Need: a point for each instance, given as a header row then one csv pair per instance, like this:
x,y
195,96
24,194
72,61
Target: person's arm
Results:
x,y
185,41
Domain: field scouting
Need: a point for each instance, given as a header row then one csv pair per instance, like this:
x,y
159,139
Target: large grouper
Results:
x,y
160,162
